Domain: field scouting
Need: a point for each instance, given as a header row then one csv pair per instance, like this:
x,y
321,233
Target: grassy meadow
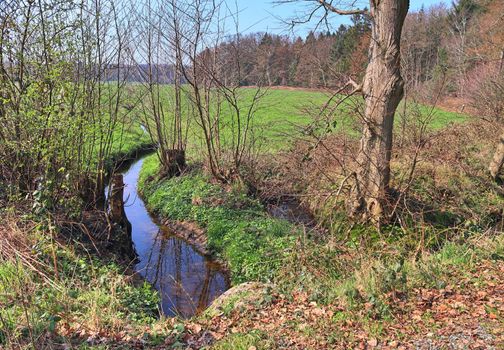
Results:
x,y
282,116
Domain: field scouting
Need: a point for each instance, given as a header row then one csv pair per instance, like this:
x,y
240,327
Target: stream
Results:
x,y
187,280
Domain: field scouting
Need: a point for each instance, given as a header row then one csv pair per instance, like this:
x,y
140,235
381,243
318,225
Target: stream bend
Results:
x,y
186,280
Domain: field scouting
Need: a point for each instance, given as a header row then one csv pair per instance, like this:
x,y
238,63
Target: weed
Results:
x,y
241,341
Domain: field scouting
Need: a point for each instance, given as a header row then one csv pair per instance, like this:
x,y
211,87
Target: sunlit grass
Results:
x,y
282,115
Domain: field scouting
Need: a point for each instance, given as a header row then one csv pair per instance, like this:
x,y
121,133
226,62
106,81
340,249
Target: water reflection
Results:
x,y
187,281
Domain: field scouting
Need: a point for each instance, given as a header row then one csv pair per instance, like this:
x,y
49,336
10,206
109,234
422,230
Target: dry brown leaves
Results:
x,y
469,315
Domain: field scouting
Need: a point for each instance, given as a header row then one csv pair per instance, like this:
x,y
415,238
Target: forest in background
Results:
x,y
443,45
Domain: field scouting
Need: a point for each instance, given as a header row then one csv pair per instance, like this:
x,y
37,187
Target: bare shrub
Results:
x,y
485,91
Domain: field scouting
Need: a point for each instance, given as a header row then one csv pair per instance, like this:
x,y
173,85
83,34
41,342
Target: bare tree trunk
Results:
x,y
382,90
498,159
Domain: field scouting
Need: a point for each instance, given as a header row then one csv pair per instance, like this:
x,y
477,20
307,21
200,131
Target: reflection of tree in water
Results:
x,y
204,297
122,242
128,245
177,249
186,280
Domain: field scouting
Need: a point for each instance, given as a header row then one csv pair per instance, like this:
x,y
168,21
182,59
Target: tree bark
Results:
x,y
383,90
176,162
116,200
124,242
498,159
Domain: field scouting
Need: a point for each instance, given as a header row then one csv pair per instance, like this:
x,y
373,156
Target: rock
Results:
x,y
238,297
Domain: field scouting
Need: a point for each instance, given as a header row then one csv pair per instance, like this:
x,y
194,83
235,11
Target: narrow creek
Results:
x,y
187,280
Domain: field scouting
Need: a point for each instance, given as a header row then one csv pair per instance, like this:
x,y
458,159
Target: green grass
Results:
x,y
128,141
281,110
282,114
128,136
241,341
239,229
84,295
436,118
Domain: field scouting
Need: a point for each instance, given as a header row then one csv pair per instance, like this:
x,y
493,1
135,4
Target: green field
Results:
x,y
282,116
128,140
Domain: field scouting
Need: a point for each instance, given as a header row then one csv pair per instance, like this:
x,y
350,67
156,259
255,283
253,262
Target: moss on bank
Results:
x,y
239,229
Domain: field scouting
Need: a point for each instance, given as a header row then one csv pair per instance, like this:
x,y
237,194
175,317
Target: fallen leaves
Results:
x,y
373,342
466,317
469,316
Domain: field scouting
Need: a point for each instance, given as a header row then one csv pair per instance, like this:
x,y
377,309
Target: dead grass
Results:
x,y
450,175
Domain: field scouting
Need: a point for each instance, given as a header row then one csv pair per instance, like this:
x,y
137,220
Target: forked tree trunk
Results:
x,y
383,90
175,162
498,159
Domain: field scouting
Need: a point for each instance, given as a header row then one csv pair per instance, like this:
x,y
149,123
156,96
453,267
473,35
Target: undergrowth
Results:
x,y
353,264
370,276
56,291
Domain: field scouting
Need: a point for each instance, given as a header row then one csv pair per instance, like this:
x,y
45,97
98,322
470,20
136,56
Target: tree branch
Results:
x,y
329,7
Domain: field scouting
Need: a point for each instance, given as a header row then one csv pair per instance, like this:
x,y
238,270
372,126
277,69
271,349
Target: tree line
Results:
x,y
440,45
320,60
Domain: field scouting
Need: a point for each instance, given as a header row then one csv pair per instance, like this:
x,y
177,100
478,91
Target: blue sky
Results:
x,y
263,15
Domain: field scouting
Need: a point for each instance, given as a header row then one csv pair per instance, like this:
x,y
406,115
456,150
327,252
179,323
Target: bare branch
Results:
x,y
329,7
